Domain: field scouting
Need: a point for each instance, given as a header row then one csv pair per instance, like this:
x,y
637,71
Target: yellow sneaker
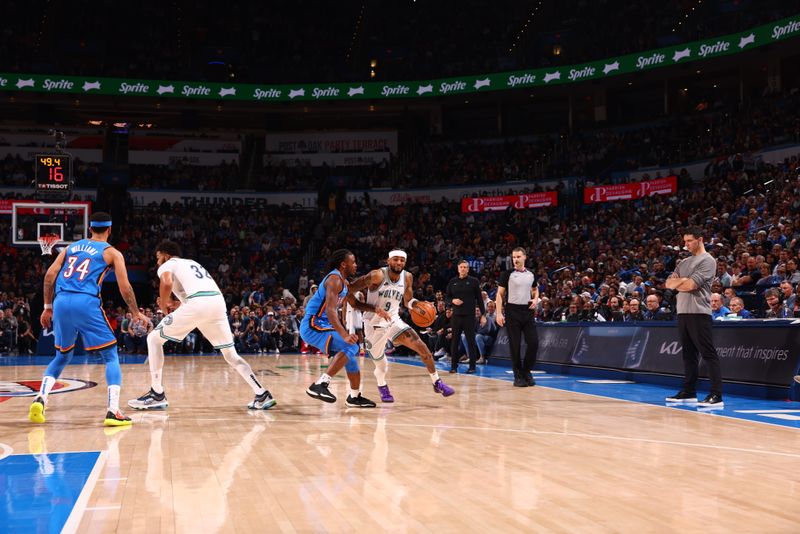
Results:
x,y
117,419
36,411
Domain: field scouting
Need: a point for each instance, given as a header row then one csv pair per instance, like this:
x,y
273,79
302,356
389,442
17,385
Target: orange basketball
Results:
x,y
423,313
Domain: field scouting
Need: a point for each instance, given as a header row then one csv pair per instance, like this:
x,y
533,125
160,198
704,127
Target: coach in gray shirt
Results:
x,y
523,296
692,280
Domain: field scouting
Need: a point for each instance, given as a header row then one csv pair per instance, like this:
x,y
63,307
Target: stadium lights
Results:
x,y
686,16
525,27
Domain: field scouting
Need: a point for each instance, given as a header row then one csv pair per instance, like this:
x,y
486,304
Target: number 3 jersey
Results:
x,y
84,268
189,278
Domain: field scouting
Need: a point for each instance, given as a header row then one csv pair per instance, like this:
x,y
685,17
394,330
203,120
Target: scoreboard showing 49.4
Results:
x,y
53,173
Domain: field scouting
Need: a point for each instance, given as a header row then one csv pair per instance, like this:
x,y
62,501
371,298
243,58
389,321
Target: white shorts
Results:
x,y
377,334
207,314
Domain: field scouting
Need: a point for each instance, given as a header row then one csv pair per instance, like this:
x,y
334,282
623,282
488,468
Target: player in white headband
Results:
x,y
386,289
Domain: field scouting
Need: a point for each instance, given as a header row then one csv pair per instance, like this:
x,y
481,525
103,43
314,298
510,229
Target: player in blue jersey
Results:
x,y
73,305
322,328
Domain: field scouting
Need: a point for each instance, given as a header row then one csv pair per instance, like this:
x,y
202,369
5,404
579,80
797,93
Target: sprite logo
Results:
x,y
126,88
525,79
716,48
393,91
328,91
195,91
57,84
260,94
648,61
780,31
453,86
582,73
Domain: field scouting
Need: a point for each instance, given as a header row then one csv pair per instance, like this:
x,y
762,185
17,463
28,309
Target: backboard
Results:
x,y
68,220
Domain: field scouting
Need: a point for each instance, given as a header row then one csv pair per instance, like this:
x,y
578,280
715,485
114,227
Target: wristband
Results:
x,y
48,306
412,302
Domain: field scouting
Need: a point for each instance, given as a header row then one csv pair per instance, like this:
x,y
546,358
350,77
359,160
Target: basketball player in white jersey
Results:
x,y
354,319
387,288
202,307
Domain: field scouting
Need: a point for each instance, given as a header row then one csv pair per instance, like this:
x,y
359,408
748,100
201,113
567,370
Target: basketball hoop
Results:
x,y
47,242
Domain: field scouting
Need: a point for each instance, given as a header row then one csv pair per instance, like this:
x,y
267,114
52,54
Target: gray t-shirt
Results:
x,y
701,269
518,285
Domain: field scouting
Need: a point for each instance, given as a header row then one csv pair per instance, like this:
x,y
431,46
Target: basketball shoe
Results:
x,y
321,392
444,389
682,396
117,419
359,402
150,401
36,411
386,395
263,402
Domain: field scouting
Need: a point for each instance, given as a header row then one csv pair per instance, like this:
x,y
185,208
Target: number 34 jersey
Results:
x,y
190,279
84,268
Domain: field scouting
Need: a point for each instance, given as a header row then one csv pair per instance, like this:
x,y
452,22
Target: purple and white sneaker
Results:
x,y
386,395
444,389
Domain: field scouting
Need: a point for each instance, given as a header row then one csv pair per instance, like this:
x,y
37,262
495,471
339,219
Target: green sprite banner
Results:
x,y
664,57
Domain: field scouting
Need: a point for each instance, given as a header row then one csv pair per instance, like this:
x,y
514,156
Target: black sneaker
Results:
x,y
321,392
520,383
713,400
359,402
682,396
150,401
529,381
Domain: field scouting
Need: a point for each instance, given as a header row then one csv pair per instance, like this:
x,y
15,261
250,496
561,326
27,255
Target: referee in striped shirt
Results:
x,y
523,297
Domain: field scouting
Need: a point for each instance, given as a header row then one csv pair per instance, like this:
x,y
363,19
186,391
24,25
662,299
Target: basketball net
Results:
x,y
47,242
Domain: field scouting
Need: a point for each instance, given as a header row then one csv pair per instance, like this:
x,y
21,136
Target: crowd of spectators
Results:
x,y
602,263
288,43
769,121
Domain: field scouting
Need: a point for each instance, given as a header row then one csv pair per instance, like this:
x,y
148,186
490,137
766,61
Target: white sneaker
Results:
x,y
150,401
262,402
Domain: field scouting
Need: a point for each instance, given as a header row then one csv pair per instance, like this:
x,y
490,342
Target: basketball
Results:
x,y
423,313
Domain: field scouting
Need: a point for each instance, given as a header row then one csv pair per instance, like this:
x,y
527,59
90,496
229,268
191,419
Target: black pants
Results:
x,y
519,322
697,341
466,324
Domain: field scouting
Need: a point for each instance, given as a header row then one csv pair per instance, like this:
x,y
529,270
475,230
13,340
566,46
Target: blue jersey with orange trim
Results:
x,y
315,315
84,268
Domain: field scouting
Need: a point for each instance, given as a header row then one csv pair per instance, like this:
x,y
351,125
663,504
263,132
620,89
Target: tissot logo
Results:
x,y
29,388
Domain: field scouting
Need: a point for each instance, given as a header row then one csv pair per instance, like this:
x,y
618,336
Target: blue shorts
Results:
x,y
327,340
80,313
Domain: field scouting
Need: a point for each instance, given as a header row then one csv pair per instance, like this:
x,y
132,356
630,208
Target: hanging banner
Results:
x,y
520,202
634,191
330,142
786,28
224,199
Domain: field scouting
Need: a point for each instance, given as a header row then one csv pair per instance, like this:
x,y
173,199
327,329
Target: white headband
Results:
x,y
400,253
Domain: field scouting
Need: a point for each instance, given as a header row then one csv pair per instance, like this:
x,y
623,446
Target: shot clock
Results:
x,y
53,175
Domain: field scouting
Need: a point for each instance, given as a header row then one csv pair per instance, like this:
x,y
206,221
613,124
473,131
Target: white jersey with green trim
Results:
x,y
387,296
190,279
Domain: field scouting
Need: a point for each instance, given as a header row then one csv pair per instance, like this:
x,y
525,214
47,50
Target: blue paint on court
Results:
x,y
11,361
776,412
40,490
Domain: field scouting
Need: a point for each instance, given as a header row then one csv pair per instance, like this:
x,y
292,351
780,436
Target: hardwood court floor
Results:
x,y
491,458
